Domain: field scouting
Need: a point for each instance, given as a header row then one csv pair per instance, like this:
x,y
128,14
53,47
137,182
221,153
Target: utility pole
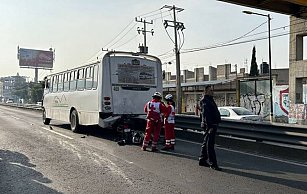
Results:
x,y
143,30
176,25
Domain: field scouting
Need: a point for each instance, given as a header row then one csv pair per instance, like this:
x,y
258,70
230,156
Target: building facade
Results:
x,y
234,89
9,85
297,71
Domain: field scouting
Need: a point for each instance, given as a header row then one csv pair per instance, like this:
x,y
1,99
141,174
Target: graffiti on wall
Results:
x,y
281,103
297,113
229,100
221,100
255,96
281,100
257,103
191,102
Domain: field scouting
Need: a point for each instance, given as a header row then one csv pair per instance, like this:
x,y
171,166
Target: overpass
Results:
x,y
297,8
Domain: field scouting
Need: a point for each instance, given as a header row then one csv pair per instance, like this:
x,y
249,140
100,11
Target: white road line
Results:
x,y
15,117
187,141
57,133
265,157
113,168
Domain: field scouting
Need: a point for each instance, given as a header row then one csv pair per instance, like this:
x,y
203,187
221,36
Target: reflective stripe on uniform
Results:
x,y
171,117
173,141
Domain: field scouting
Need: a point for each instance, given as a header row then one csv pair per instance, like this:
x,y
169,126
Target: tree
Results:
x,y
35,92
254,67
21,91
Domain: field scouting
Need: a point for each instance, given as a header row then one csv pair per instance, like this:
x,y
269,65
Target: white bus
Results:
x,y
103,92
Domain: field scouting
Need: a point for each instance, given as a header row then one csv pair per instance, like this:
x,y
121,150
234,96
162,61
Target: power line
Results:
x,y
94,55
148,12
244,36
156,14
180,46
247,41
128,41
123,35
166,30
161,17
119,34
238,38
165,53
282,27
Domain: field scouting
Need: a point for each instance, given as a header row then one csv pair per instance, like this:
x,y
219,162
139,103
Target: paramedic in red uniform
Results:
x,y
169,123
154,109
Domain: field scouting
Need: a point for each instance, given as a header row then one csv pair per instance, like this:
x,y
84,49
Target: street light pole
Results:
x,y
270,67
270,59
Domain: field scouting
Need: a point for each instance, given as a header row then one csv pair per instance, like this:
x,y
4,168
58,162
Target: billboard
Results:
x,y
35,58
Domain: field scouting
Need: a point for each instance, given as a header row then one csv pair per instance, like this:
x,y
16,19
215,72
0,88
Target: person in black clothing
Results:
x,y
210,118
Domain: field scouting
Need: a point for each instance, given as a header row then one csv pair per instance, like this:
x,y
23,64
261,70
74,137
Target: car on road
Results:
x,y
9,101
238,113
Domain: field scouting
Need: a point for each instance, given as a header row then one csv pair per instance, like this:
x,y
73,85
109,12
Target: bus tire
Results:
x,y
74,122
46,121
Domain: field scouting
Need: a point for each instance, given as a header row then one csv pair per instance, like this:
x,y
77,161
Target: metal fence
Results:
x,y
259,131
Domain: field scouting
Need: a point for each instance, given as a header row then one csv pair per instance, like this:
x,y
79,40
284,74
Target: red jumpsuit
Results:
x,y
169,127
154,109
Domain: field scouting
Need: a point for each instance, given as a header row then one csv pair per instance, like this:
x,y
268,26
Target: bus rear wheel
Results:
x,y
46,121
74,122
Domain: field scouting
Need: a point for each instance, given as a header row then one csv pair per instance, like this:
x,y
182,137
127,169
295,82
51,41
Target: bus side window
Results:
x,y
51,84
46,83
55,83
60,82
89,78
80,79
73,81
95,76
66,81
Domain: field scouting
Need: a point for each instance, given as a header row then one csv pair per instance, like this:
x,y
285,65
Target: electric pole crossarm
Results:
x,y
144,31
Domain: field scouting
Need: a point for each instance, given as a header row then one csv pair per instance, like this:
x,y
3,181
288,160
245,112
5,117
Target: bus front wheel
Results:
x,y
46,121
74,121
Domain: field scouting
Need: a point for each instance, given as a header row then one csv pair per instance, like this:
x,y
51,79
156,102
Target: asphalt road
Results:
x,y
36,158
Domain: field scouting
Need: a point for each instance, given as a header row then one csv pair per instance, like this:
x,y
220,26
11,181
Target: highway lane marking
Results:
x,y
113,167
187,141
240,152
266,157
15,117
57,133
46,129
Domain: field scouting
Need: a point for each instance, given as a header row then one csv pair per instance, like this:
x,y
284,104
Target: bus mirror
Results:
x,y
163,74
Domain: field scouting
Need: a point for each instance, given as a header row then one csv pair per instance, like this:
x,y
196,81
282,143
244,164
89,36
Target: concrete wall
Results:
x,y
1,89
212,73
297,66
223,71
281,75
199,74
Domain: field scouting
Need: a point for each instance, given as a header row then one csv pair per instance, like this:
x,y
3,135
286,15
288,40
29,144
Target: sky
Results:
x,y
79,29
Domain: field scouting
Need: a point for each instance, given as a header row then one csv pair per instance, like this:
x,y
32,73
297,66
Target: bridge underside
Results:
x,y
297,8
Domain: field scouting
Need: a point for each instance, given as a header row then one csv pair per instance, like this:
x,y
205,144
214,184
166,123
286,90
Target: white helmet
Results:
x,y
169,97
157,94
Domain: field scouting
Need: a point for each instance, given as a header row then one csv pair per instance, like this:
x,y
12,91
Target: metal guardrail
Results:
x,y
259,131
26,106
